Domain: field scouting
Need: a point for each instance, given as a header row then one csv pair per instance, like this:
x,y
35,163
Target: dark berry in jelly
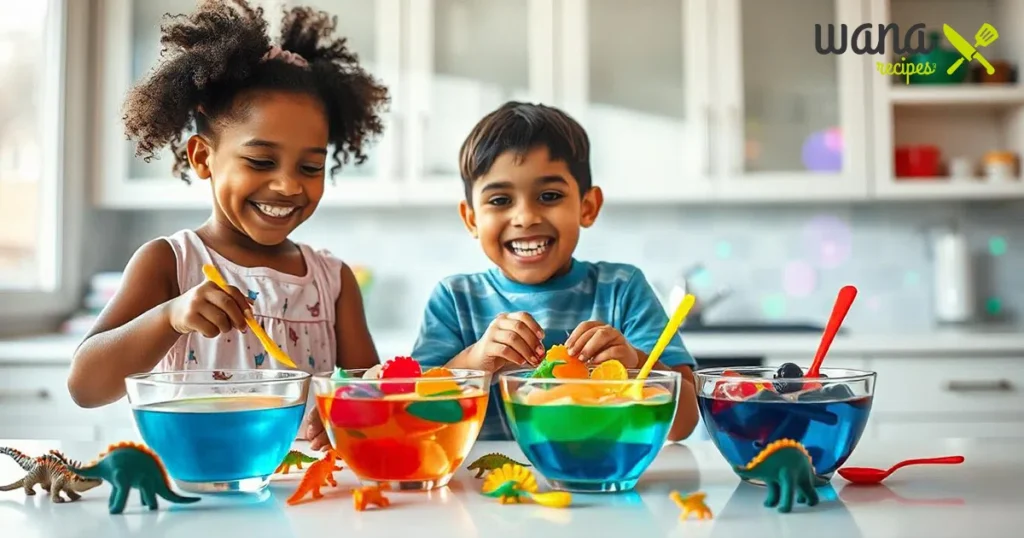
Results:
x,y
788,371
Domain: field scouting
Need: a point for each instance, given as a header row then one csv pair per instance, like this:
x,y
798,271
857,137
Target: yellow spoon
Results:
x,y
635,390
213,275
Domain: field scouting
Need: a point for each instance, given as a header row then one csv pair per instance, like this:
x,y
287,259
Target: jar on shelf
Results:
x,y
1000,166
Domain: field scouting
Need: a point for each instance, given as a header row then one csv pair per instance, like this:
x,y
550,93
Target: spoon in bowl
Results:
x,y
635,390
868,475
843,301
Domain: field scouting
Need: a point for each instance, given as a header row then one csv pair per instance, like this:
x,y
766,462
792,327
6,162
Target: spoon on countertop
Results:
x,y
868,475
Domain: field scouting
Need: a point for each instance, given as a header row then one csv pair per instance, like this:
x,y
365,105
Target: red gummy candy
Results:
x,y
346,412
399,367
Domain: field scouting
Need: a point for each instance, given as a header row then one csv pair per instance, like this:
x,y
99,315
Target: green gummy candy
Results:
x,y
442,411
339,374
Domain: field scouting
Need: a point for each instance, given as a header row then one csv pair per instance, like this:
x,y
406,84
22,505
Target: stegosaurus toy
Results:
x,y
786,468
51,472
490,462
319,474
510,483
293,458
126,465
367,495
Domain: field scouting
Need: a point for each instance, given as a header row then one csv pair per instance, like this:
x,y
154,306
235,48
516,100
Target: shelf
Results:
x,y
946,189
983,95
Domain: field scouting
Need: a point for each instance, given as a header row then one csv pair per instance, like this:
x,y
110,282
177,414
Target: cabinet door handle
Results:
x,y
708,133
20,395
1001,385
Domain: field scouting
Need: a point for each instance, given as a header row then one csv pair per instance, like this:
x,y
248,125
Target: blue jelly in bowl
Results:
x,y
747,408
219,431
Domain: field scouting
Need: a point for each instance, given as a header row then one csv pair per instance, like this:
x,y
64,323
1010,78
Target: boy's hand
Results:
x,y
315,432
595,342
515,338
209,310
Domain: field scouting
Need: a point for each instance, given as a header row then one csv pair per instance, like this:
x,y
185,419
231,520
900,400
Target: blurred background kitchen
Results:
x,y
738,163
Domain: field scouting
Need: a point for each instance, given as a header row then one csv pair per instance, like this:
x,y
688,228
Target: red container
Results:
x,y
918,161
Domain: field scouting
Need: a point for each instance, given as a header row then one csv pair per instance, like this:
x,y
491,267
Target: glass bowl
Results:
x,y
219,430
409,433
581,435
746,408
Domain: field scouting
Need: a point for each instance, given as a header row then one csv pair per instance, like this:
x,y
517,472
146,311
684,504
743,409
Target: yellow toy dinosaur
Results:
x,y
692,503
320,473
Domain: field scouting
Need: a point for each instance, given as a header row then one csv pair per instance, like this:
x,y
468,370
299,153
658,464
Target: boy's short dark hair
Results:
x,y
519,127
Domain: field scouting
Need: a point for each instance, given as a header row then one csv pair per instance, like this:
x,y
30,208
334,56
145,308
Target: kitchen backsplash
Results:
x,y
782,263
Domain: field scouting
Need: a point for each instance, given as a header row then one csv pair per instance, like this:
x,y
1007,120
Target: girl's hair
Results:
x,y
213,55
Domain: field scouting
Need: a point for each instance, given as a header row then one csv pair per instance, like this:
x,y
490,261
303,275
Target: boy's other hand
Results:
x,y
594,342
315,432
515,338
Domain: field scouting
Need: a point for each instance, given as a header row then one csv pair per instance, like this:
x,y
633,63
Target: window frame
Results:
x,y
31,311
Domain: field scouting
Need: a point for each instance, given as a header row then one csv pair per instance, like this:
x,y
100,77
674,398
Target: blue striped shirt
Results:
x,y
462,306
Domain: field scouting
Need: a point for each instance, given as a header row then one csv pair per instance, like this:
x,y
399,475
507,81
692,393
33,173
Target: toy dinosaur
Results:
x,y
126,465
546,370
510,483
367,495
319,474
50,472
786,468
490,462
293,458
692,503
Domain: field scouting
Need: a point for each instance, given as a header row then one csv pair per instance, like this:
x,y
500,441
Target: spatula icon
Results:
x,y
985,36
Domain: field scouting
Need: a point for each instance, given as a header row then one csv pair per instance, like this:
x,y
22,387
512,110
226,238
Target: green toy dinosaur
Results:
x,y
508,492
126,465
786,468
490,462
51,472
546,370
293,458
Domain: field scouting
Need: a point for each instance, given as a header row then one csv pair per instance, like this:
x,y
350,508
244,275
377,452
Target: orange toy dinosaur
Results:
x,y
319,474
691,504
367,495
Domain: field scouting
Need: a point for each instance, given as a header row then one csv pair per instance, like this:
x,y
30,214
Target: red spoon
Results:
x,y
868,475
846,296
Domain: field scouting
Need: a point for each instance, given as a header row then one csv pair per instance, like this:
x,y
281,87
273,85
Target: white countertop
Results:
x,y
982,497
974,341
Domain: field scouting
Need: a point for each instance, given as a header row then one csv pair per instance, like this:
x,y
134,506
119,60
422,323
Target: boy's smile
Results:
x,y
527,213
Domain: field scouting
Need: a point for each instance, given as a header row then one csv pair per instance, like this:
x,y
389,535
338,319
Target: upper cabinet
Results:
x,y
684,101
789,123
634,75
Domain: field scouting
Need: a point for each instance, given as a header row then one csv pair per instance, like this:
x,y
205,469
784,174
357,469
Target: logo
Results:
x,y
862,42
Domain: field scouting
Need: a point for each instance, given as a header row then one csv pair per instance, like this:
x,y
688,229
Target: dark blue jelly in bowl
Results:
x,y
747,408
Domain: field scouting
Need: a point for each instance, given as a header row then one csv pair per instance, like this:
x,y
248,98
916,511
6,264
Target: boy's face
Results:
x,y
527,215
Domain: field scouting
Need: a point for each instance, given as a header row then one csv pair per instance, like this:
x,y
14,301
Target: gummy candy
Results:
x,y
399,367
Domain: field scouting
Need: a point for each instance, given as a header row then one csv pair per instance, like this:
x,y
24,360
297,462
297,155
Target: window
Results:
x,y
42,167
27,235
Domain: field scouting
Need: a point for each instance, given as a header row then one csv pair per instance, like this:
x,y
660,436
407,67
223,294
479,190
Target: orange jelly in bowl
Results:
x,y
412,433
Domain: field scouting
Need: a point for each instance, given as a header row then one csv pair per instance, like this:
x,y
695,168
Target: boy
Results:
x,y
526,170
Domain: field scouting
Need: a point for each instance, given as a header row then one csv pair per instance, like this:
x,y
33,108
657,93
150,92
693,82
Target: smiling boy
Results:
x,y
526,170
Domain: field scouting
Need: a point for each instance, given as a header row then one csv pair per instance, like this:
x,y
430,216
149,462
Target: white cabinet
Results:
x,y
788,123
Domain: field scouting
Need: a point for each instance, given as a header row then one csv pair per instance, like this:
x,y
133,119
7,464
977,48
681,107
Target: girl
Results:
x,y
264,116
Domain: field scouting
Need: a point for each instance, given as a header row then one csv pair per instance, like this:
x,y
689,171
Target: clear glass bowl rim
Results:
x,y
654,376
715,374
358,380
151,378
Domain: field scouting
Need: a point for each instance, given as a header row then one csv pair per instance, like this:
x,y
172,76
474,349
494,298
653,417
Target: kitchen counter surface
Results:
x,y
974,341
982,497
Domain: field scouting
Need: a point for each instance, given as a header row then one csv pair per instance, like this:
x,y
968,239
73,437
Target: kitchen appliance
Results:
x,y
954,294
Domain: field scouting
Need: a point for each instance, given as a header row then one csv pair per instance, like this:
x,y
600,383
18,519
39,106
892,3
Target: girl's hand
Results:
x,y
594,342
210,311
315,432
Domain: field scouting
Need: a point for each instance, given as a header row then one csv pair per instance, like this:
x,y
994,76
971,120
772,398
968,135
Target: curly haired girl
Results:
x,y
265,118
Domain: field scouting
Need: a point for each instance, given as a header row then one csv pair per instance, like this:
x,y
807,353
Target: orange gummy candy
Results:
x,y
573,367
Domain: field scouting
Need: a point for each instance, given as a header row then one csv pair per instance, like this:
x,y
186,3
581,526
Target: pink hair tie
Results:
x,y
277,53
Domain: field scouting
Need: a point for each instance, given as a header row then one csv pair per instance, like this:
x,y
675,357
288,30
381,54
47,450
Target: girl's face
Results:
x,y
266,165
